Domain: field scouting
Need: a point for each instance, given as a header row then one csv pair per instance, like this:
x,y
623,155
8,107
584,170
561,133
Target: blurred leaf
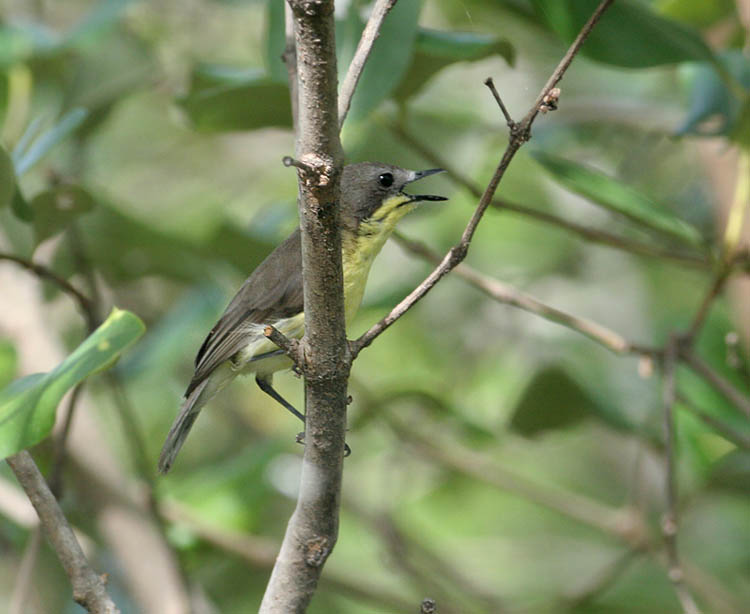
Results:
x,y
713,108
697,12
7,178
164,344
125,249
8,362
434,50
25,160
23,40
615,196
28,405
54,209
390,58
224,98
629,34
552,400
21,208
103,15
712,349
275,41
732,472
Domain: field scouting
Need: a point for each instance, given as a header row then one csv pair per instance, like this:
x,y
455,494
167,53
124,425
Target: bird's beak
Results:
x,y
416,175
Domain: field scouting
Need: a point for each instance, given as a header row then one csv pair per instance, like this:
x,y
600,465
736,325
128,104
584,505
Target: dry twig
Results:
x,y
88,587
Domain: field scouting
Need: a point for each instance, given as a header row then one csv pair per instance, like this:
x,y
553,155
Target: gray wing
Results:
x,y
273,291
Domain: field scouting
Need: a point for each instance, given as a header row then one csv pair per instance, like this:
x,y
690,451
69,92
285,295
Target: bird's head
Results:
x,y
373,197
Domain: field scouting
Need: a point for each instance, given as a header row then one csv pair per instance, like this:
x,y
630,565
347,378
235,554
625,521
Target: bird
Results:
x,y
372,202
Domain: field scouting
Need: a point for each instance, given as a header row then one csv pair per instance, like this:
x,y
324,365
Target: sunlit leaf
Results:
x,y
629,34
617,197
223,98
697,12
54,209
28,405
434,50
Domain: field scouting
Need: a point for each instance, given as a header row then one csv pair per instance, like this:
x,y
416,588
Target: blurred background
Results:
x,y
501,462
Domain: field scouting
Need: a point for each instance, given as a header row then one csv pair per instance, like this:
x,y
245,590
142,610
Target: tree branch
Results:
x,y
594,235
519,135
364,47
88,587
313,528
506,294
84,303
669,520
718,381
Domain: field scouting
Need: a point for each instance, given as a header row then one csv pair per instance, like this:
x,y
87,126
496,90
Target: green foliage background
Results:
x,y
142,161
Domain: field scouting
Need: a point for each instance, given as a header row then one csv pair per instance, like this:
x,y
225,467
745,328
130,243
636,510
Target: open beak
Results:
x,y
413,198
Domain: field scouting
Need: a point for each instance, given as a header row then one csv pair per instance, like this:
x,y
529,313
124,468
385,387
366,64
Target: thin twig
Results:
x,y
718,381
88,587
669,521
364,47
457,253
620,523
491,84
730,434
713,292
84,303
55,477
594,235
508,295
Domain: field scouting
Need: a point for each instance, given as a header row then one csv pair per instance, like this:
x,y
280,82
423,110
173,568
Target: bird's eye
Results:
x,y
386,180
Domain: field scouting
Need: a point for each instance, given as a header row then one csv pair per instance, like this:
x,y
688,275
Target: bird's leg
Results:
x,y
266,387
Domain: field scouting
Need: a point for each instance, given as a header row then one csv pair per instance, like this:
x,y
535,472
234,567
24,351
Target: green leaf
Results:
x,y
617,197
629,34
28,405
103,14
714,109
552,400
390,58
54,209
697,12
7,178
555,399
732,472
8,362
275,41
25,160
224,98
21,208
434,50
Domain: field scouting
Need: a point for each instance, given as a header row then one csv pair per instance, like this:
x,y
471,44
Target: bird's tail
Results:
x,y
191,407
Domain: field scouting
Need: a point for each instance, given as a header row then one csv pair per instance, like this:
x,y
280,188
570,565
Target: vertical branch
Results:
x,y
313,528
88,587
669,521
